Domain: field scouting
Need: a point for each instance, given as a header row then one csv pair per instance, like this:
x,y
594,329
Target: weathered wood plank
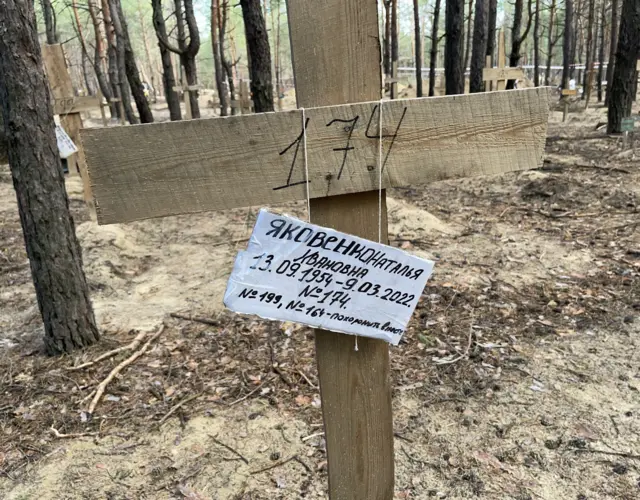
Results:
x,y
492,74
162,169
355,386
76,104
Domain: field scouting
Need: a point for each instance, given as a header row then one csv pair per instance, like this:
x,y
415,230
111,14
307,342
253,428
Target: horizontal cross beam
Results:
x,y
219,163
63,106
493,74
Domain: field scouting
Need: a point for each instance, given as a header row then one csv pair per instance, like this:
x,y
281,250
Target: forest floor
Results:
x,y
519,377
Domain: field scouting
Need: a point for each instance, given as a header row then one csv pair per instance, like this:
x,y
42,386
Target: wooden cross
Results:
x,y
186,89
220,163
244,101
68,107
502,73
566,93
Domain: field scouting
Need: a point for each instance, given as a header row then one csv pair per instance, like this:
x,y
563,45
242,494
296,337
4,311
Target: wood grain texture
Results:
x,y
493,74
62,92
155,170
332,61
75,104
355,386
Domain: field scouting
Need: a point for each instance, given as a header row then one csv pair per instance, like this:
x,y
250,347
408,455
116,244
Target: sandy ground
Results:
x,y
536,291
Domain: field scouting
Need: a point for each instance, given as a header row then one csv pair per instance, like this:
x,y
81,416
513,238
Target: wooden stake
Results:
x,y
355,386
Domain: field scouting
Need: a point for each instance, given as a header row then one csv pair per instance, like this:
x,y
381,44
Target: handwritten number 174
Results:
x,y
294,147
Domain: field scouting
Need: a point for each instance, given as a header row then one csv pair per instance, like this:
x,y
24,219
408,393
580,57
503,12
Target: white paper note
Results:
x,y
66,147
296,271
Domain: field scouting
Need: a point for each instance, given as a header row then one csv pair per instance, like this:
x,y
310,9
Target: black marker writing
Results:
x,y
295,143
347,148
384,136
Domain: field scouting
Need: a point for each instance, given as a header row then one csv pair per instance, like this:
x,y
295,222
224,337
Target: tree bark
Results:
x,y
613,47
433,54
567,49
217,63
588,68
479,51
536,46
83,47
387,38
394,47
168,77
491,30
516,38
260,55
99,57
53,250
625,74
418,42
49,22
112,56
551,41
467,50
131,67
123,83
228,65
188,52
602,24
453,54
574,41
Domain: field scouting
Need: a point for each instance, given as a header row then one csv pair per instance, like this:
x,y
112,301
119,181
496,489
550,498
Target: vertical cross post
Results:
x,y
502,73
355,385
502,58
61,87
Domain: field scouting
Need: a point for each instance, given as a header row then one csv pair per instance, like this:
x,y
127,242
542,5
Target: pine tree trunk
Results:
x,y
49,22
123,84
260,55
387,38
536,46
226,64
467,50
625,74
551,42
588,68
112,56
613,47
479,51
49,233
516,37
217,64
491,30
575,31
567,50
433,54
453,53
168,76
394,47
603,15
418,42
99,57
188,54
131,67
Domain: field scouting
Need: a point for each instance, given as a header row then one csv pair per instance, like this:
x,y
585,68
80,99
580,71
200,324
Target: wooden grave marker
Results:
x,y
185,89
175,168
566,94
496,78
244,102
62,95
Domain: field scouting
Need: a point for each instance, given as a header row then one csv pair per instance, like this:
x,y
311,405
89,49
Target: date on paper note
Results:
x,y
296,271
